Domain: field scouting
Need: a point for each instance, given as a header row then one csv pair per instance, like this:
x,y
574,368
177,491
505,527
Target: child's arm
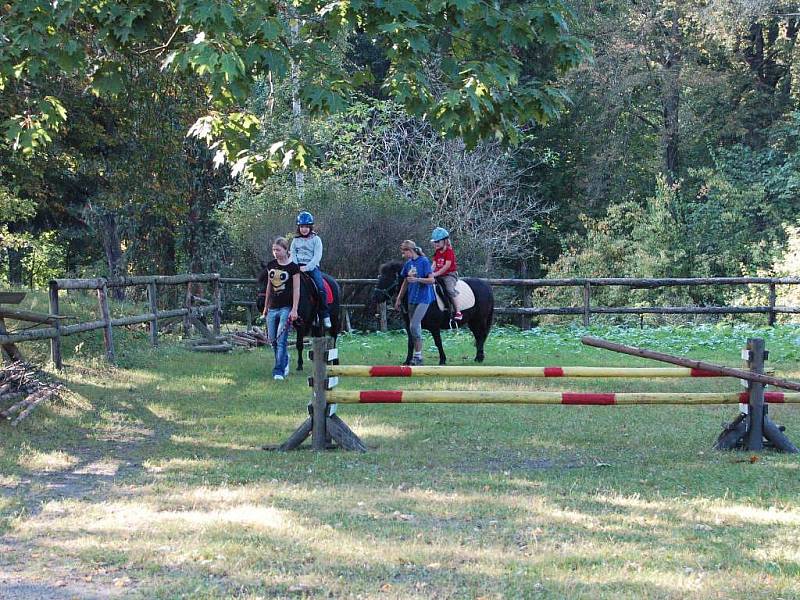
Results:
x,y
317,257
267,299
400,295
295,296
443,270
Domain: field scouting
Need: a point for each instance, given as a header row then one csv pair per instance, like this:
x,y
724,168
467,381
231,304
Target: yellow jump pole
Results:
x,y
525,397
470,371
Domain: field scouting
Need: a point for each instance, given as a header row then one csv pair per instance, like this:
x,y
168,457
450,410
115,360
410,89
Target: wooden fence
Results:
x,y
586,285
56,328
106,322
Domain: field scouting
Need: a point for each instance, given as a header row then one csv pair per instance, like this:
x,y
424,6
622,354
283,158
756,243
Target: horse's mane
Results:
x,y
392,266
263,275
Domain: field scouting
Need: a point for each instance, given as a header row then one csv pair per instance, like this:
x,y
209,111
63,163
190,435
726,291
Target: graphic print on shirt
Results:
x,y
278,278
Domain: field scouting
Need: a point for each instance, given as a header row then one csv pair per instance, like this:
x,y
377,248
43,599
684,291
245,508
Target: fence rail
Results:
x,y
56,328
587,283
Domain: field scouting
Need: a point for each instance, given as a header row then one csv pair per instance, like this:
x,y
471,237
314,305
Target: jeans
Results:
x,y
316,275
278,320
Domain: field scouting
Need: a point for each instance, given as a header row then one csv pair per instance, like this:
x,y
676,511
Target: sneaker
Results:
x,y
327,322
278,377
458,316
416,361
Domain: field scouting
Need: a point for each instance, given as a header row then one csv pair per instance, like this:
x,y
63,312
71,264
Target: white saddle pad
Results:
x,y
464,300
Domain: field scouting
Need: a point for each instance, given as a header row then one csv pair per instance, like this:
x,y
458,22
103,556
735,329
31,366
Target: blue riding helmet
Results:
x,y
305,218
439,234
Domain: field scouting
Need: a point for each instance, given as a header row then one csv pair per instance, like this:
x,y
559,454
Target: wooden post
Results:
x,y
319,403
187,322
55,342
384,319
755,362
217,296
524,295
152,297
105,315
347,326
587,295
772,297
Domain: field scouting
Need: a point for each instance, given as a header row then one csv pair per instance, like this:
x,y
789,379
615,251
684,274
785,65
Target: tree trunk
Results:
x,y
671,99
15,266
113,248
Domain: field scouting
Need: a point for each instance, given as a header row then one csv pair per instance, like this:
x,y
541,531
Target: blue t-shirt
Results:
x,y
418,293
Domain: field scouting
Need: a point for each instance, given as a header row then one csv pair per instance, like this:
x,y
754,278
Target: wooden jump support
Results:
x,y
748,431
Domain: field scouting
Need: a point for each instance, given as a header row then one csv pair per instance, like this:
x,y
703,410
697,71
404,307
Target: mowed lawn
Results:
x,y
149,481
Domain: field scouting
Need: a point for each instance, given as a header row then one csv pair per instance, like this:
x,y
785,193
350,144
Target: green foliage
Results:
x,y
360,228
455,63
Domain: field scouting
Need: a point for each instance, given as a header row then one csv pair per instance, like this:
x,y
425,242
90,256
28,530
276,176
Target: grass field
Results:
x,y
149,481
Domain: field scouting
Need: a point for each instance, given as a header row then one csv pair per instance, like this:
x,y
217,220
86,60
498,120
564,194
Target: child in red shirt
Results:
x,y
445,268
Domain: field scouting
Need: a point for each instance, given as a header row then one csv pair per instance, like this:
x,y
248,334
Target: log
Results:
x,y
39,400
212,348
29,315
694,364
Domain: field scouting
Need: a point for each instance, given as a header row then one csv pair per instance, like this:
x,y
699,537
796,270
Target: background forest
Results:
x,y
676,155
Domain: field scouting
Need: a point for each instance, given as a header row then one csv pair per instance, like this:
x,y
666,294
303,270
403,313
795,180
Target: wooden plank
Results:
x,y
29,315
11,297
694,364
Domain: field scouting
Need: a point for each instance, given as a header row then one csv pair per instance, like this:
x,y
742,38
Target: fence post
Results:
x,y
772,297
152,297
187,323
319,402
755,361
105,314
384,320
587,295
217,295
55,342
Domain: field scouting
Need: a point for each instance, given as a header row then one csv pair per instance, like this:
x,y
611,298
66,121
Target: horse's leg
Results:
x,y
299,347
437,339
476,325
410,345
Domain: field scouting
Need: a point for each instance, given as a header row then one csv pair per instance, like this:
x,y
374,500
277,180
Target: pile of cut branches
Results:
x,y
251,338
23,388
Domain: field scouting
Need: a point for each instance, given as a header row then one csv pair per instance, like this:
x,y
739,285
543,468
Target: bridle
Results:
x,y
386,292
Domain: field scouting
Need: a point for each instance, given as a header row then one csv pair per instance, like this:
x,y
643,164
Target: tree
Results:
x,y
478,88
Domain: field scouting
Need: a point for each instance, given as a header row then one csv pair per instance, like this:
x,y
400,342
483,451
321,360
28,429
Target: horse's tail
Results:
x,y
487,310
489,316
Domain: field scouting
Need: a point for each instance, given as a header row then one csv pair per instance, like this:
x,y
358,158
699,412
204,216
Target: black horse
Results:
x,y
478,318
308,322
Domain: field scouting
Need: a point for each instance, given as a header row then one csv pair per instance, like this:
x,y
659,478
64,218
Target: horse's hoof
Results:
x,y
479,359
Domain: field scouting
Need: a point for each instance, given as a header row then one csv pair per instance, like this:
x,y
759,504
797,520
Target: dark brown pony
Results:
x,y
308,323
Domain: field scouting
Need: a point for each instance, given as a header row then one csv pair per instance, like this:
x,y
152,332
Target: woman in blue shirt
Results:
x,y
418,281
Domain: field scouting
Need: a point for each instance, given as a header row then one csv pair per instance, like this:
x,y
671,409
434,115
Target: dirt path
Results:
x,y
26,569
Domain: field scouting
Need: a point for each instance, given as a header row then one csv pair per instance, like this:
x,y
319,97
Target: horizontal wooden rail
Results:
x,y
45,333
98,283
587,283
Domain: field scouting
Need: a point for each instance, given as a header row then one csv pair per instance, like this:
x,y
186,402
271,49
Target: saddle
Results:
x,y
464,300
315,292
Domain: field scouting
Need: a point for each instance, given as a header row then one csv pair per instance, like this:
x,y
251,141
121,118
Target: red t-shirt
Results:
x,y
441,256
